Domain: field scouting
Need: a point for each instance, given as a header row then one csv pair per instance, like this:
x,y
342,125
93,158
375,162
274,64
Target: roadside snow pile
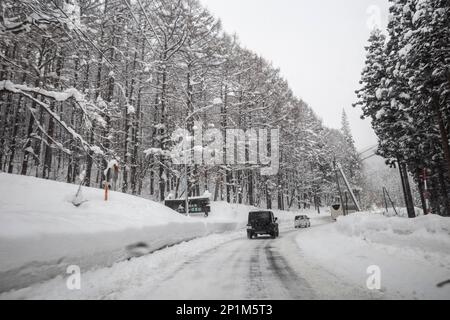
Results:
x,y
135,279
398,212
413,255
428,232
42,232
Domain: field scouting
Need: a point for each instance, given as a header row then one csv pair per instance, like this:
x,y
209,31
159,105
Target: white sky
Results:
x,y
318,45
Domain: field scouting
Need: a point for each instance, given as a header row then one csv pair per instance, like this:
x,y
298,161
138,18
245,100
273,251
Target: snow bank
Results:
x,y
430,232
42,232
126,279
398,212
413,254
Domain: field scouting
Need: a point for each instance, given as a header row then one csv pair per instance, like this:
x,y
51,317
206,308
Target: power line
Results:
x,y
371,156
367,150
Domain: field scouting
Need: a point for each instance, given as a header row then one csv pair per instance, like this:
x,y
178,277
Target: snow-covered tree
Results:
x,y
84,83
405,92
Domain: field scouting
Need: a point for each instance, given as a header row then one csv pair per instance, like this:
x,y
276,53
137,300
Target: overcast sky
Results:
x,y
318,45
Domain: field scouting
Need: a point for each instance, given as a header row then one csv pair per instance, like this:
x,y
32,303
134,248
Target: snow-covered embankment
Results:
x,y
413,255
42,232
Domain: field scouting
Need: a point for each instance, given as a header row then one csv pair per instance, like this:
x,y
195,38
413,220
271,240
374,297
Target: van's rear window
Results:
x,y
259,215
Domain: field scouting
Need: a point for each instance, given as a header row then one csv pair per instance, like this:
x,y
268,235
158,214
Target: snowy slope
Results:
x,y
41,232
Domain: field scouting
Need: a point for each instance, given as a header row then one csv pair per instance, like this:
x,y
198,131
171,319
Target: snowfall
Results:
x,y
133,248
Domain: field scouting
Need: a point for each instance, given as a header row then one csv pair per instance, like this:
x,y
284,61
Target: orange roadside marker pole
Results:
x,y
106,191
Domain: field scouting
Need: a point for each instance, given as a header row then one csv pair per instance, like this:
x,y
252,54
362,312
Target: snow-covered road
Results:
x,y
221,266
44,235
315,263
262,268
238,269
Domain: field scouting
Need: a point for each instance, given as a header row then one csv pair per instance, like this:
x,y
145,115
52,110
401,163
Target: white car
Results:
x,y
302,222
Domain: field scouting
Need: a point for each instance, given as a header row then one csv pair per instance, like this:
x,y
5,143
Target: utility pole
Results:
x,y
406,189
349,188
385,192
339,186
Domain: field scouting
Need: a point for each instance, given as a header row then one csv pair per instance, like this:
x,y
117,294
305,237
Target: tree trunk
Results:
x,y
406,189
48,148
126,130
137,127
444,192
26,154
421,187
250,191
5,128
15,128
268,198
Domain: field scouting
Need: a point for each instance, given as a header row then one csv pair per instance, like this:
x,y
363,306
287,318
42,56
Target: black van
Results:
x,y
262,222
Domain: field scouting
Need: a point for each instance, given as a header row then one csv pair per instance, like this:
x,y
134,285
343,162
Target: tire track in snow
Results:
x,y
295,286
257,288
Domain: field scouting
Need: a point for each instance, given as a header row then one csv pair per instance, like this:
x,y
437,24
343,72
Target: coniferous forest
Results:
x,y
405,91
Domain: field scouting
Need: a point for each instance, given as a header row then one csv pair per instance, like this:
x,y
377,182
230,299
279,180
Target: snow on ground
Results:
x,y
126,279
42,232
219,259
399,212
413,254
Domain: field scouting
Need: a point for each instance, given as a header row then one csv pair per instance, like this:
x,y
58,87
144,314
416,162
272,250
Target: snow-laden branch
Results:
x,y
58,96
72,93
14,26
39,15
88,109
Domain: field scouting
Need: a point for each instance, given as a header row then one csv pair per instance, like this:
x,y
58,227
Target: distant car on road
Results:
x,y
302,222
262,223
337,210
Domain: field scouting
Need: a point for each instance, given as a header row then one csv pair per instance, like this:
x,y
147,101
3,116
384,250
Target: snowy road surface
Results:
x,y
238,269
221,266
327,261
251,269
